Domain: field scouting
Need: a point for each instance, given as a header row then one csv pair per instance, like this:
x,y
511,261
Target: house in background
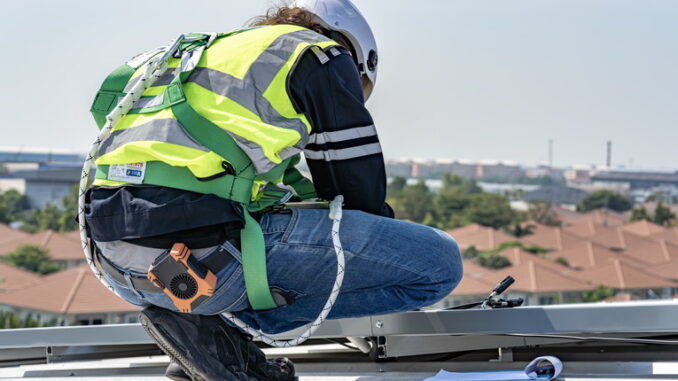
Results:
x,y
69,297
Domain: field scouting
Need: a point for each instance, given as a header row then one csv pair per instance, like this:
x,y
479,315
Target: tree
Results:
x,y
663,215
492,261
490,210
600,293
604,199
67,220
47,218
51,217
32,258
470,253
413,202
9,320
518,229
12,203
396,186
639,214
464,185
448,211
543,213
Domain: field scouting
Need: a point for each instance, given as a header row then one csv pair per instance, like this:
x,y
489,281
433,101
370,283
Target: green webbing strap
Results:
x,y
214,138
254,265
251,236
107,96
303,186
158,173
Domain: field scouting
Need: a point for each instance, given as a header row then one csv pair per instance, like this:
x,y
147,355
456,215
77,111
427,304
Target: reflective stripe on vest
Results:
x,y
240,85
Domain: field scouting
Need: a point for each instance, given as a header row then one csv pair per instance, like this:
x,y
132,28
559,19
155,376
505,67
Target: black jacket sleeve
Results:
x,y
343,154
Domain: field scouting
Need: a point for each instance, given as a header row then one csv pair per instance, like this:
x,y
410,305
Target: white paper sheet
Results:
x,y
541,368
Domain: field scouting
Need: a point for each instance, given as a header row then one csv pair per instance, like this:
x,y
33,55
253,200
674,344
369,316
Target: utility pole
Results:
x,y
609,154
551,153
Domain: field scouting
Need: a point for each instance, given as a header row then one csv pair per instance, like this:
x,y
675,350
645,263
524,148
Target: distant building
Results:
x,y
436,169
638,180
556,194
38,155
43,185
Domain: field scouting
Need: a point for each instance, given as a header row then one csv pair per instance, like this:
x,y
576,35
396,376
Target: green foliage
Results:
x,y
492,261
52,217
518,229
663,215
639,214
490,210
459,202
604,199
543,213
12,203
413,202
471,252
511,244
464,185
396,186
32,258
563,261
9,320
600,293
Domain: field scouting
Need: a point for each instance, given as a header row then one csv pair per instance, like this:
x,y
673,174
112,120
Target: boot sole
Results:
x,y
168,348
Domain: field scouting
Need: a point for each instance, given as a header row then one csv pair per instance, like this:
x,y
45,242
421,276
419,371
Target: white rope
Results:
x,y
335,215
155,68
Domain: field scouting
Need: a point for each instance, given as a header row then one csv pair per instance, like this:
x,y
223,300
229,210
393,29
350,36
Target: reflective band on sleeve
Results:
x,y
345,153
161,130
343,135
322,57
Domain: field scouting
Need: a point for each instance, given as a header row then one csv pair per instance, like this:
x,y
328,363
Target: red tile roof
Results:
x,y
643,228
475,280
8,234
12,278
620,275
73,291
588,254
670,235
604,217
483,238
60,246
536,277
551,238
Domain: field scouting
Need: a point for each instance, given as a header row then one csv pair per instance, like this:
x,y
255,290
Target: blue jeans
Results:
x,y
391,266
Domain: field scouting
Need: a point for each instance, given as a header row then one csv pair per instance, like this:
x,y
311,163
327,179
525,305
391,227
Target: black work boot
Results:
x,y
175,372
207,348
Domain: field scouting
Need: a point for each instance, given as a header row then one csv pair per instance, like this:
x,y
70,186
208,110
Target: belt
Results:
x,y
215,261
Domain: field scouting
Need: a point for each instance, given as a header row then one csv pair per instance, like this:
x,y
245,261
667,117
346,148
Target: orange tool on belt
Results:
x,y
186,281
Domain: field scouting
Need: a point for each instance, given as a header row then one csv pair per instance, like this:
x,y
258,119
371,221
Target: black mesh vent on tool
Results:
x,y
183,286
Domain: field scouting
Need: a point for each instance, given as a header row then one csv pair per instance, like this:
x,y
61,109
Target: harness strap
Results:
x,y
235,188
251,236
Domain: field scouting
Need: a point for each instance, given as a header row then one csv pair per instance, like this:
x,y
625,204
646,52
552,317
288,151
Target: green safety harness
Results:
x,y
237,181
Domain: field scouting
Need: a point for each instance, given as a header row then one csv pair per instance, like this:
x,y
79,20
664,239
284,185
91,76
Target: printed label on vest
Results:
x,y
128,173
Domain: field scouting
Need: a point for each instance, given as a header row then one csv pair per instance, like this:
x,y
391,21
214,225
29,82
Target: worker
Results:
x,y
293,81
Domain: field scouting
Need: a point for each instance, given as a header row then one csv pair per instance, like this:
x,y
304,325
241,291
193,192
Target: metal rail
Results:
x,y
432,330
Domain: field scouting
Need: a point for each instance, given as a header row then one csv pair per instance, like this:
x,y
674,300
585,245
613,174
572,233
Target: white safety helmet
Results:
x,y
343,17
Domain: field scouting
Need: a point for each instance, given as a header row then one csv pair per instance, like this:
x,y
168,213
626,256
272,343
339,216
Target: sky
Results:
x,y
458,79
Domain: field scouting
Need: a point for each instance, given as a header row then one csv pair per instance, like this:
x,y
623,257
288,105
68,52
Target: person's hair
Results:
x,y
291,15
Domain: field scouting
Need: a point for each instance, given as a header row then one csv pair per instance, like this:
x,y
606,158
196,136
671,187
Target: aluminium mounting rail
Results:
x,y
404,330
